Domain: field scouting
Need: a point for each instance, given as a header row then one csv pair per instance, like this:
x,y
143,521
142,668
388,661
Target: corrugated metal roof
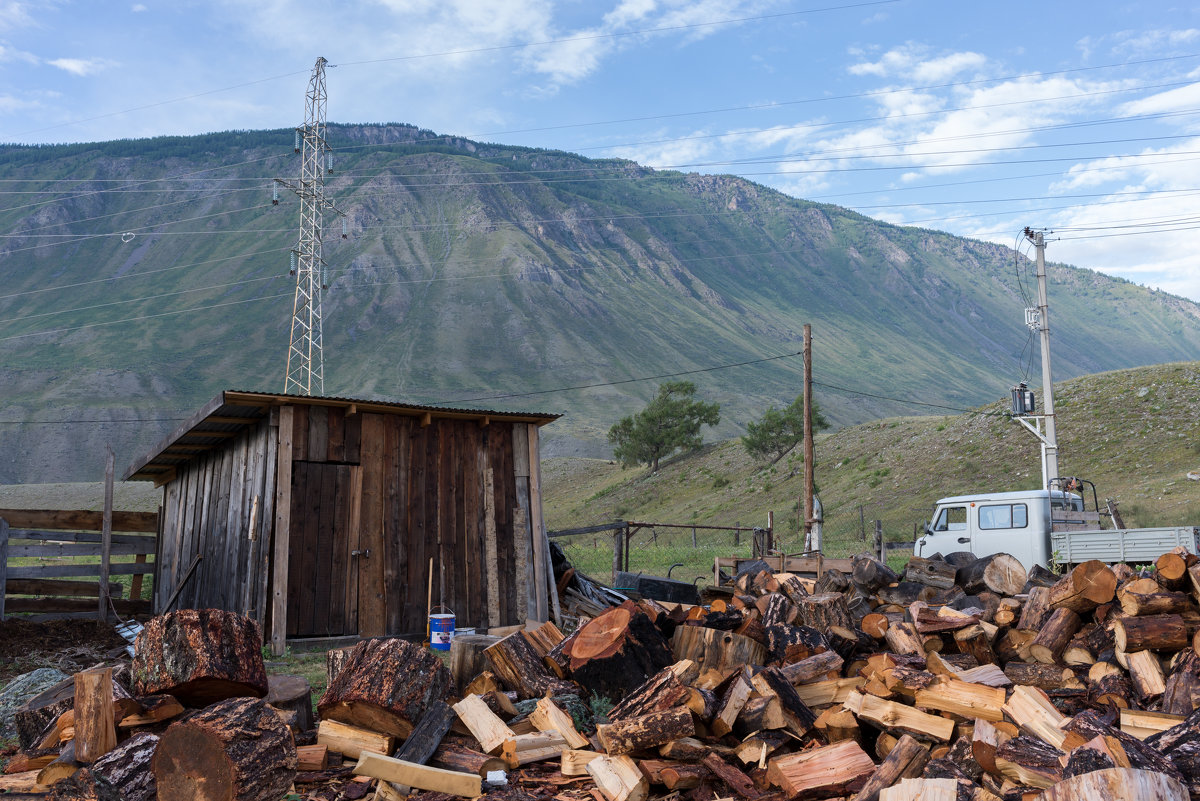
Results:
x,y
232,411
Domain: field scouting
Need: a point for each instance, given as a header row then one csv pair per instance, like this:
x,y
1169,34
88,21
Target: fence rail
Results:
x,y
43,537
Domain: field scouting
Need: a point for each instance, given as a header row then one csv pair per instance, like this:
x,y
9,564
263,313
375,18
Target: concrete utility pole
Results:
x,y
809,543
1042,320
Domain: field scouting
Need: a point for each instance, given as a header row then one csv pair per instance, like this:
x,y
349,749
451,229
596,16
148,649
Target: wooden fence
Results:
x,y
54,590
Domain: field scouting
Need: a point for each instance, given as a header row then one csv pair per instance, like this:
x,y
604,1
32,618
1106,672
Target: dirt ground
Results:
x,y
69,645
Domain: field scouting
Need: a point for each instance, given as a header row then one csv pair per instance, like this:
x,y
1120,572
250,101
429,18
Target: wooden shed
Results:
x,y
371,494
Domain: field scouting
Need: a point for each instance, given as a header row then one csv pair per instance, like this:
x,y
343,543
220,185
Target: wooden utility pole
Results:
x,y
808,443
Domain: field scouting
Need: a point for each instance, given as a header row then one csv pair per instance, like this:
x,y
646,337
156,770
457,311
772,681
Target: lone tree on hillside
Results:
x,y
669,422
779,431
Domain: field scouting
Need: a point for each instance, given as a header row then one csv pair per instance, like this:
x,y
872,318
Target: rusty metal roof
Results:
x,y
232,411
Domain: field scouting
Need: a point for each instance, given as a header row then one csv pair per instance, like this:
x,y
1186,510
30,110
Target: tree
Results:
x,y
779,431
668,423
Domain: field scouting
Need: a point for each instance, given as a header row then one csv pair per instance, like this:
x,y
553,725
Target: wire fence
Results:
x,y
687,552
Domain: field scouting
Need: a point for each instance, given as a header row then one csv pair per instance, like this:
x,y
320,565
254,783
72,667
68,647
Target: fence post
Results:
x,y
693,536
618,553
737,534
771,532
3,563
879,541
862,523
106,536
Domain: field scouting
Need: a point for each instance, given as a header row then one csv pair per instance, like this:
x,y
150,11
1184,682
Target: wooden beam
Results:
x,y
541,564
106,522
234,420
81,520
219,434
426,419
283,521
3,563
423,777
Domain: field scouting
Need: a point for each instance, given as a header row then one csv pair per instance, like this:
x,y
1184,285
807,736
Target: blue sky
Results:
x,y
976,118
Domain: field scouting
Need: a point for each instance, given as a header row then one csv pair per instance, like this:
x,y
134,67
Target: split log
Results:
x,y
574,762
38,714
618,778
153,709
1048,646
1000,573
898,718
1150,632
292,694
408,774
1039,576
776,609
647,731
822,611
234,750
1181,696
798,718
963,698
830,770
739,782
813,667
467,658
901,593
975,641
1089,724
352,740
1146,675
1036,674
200,656
1142,724
903,638
128,768
95,729
664,690
335,659
930,572
312,757
385,685
617,651
1035,609
1029,762
875,624
489,730
1154,603
906,759
712,649
789,644
1118,784
1170,570
61,767
685,749
452,756
1087,586
831,580
837,724
1032,711
427,735
680,776
985,739
849,643
946,789
523,669
732,700
1098,753
547,716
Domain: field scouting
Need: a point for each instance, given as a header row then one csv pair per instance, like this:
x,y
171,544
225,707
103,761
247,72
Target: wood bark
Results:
x,y
1118,784
467,658
1154,603
930,572
1048,646
292,694
1182,693
739,782
1035,610
656,728
789,644
823,611
453,756
906,760
871,574
798,718
385,685
664,690
234,750
1000,573
35,716
128,768
617,651
200,656
427,735
1150,632
95,729
814,667
521,667
84,786
1029,762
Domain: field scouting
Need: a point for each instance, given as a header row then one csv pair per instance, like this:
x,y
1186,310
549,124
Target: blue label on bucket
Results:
x,y
441,631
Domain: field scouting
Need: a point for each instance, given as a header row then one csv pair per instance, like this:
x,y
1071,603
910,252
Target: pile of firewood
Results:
x,y
959,679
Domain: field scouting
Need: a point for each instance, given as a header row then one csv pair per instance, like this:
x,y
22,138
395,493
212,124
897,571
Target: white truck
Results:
x,y
1041,527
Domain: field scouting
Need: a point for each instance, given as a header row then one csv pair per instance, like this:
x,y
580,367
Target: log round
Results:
x,y
1118,784
234,750
200,656
385,685
292,694
1000,573
617,651
1087,586
467,659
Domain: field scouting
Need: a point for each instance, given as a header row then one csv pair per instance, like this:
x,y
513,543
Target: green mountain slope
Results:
x,y
477,271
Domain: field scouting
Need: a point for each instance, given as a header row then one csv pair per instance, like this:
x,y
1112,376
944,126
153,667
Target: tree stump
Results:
x,y
292,694
234,750
127,768
200,656
617,651
385,685
467,659
1000,573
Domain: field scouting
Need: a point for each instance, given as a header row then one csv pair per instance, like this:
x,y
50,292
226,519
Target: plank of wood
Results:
x,y
899,717
410,774
484,725
80,520
1030,709
546,716
352,740
575,761
283,509
830,770
618,778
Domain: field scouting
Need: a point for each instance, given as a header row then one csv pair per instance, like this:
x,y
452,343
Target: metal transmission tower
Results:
x,y
305,361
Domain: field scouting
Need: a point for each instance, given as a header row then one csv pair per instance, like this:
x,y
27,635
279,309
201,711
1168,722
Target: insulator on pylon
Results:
x,y
329,163
275,195
292,260
344,228
296,146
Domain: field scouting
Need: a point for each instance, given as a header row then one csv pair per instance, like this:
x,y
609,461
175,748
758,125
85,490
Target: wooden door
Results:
x,y
322,567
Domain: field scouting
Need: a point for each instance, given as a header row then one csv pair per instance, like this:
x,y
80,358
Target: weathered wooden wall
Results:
x,y
207,513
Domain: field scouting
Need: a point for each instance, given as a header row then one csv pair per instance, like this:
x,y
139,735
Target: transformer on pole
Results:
x,y
305,372
1039,320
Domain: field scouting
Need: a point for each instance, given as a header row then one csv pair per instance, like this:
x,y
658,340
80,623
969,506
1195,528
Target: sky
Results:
x,y
976,118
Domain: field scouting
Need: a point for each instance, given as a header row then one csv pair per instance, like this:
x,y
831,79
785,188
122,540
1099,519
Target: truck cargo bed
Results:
x,y
1132,545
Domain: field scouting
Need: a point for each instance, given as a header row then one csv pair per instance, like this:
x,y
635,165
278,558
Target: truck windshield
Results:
x,y
951,518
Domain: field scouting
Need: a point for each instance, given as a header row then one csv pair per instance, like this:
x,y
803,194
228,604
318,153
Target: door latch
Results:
x,y
960,539
366,553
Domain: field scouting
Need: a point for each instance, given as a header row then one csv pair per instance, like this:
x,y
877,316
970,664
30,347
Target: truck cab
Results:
x,y
1016,523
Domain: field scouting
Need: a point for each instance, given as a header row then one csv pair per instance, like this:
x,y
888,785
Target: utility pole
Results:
x,y
809,543
305,360
1039,320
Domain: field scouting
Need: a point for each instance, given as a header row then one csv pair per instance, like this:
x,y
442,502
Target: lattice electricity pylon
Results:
x,y
305,361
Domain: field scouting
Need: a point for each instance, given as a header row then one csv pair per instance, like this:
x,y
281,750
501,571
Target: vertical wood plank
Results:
x,y
321,575
522,533
491,558
300,434
541,551
396,456
338,556
3,563
371,617
283,509
336,435
417,535
353,526
318,433
352,434
106,535
506,502
440,503
269,437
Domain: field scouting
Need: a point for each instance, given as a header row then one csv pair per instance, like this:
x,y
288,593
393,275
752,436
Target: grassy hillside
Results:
x,y
149,275
1135,433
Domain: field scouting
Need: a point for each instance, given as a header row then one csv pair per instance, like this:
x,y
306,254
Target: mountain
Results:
x,y
142,277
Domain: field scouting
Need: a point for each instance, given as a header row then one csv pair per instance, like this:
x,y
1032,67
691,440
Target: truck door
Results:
x,y
1002,528
948,532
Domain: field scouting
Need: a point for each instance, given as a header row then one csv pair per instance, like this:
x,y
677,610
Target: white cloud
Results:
x,y
670,153
1154,40
138,8
15,15
911,61
8,53
80,66
1180,98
